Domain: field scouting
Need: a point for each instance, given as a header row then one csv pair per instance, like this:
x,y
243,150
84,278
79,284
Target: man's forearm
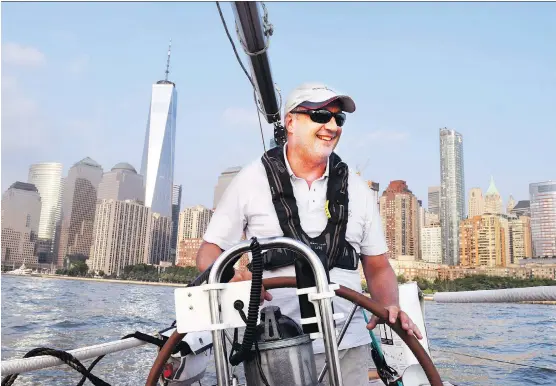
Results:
x,y
383,286
207,254
382,282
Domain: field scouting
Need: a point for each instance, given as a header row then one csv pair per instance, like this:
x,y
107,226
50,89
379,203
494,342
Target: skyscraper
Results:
x,y
121,183
434,199
452,193
122,223
431,244
157,167
21,211
510,205
176,205
520,238
399,210
223,181
543,217
485,241
47,177
193,223
522,208
121,235
78,210
493,200
476,205
161,235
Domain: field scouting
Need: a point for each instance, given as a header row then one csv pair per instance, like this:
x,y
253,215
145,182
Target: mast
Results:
x,y
254,36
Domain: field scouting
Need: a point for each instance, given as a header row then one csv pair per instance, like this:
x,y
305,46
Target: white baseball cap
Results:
x,y
315,95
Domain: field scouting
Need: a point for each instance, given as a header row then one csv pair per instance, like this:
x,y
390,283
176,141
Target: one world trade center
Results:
x,y
157,166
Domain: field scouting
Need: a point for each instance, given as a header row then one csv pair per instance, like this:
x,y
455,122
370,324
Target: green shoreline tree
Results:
x,y
472,283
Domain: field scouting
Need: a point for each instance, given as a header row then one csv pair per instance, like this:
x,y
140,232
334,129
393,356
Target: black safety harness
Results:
x,y
331,245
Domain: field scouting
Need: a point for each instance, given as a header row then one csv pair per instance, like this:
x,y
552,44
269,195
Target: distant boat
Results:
x,y
21,271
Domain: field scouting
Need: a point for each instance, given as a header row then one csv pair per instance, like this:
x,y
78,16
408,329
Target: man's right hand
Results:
x,y
247,275
207,255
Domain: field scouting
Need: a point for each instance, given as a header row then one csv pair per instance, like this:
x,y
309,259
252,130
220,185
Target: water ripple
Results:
x,y
67,314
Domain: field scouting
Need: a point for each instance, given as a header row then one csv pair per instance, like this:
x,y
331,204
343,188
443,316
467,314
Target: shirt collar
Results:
x,y
290,171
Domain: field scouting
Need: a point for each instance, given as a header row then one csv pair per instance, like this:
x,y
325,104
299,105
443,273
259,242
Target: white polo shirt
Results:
x,y
247,205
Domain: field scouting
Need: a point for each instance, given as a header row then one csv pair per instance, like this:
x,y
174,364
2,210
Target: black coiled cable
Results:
x,y
254,302
67,358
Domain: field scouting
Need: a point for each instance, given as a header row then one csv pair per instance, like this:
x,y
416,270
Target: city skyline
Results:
x,y
456,80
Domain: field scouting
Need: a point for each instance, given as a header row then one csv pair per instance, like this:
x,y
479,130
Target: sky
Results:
x,y
77,78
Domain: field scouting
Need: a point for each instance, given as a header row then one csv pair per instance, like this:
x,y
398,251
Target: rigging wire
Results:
x,y
490,359
259,117
233,45
269,30
496,360
245,70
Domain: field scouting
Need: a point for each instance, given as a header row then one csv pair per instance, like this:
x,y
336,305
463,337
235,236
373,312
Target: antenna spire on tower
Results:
x,y
168,61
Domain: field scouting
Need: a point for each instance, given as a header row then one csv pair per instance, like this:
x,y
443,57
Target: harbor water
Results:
x,y
68,314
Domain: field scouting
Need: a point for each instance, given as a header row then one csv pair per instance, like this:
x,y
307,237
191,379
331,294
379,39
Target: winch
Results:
x,y
282,354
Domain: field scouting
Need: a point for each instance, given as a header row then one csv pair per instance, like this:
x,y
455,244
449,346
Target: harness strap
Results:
x,y
330,245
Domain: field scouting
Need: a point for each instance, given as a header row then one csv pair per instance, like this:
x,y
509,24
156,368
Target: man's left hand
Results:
x,y
407,323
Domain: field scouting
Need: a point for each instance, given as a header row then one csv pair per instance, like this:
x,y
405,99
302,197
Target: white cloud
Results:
x,y
24,132
8,82
22,127
20,55
31,134
79,64
26,127
240,117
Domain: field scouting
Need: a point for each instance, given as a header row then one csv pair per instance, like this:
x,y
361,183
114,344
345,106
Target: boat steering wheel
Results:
x,y
367,303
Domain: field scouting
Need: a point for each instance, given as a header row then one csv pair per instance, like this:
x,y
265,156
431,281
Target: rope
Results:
x,y
497,360
268,31
93,364
387,371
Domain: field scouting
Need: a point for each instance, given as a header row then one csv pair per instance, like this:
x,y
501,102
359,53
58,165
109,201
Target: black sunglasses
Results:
x,y
323,116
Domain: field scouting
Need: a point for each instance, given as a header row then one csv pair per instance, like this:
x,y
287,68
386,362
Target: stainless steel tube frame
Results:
x,y
340,337
327,320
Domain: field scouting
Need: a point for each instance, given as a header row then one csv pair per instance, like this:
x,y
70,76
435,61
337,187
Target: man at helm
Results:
x,y
320,188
